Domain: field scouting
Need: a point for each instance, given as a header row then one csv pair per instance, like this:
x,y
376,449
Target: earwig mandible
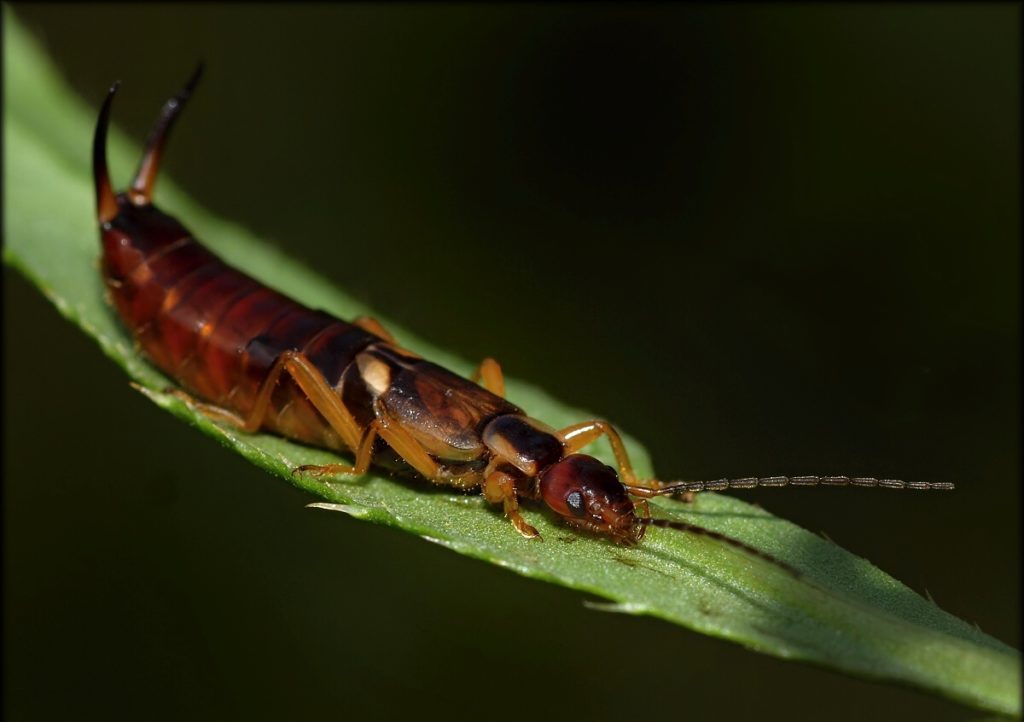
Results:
x,y
248,356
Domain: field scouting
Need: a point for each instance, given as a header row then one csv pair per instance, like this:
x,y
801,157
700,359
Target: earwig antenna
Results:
x,y
106,201
679,487
693,529
142,187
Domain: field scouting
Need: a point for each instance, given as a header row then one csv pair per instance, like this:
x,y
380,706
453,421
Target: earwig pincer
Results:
x,y
246,355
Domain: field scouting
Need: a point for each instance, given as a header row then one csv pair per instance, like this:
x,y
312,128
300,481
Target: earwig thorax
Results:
x,y
526,443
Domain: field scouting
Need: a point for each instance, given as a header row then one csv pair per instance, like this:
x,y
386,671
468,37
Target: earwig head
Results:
x,y
589,494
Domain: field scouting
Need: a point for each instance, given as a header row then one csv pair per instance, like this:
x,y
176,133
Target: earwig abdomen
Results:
x,y
214,329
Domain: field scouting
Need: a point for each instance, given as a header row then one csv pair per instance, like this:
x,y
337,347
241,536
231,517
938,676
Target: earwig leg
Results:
x,y
368,323
363,457
214,412
489,371
312,383
500,487
408,448
320,393
396,437
412,452
327,402
577,436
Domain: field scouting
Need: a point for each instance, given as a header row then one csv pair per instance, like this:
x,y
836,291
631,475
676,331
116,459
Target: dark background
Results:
x,y
772,239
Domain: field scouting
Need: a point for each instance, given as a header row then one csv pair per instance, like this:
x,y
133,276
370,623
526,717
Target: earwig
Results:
x,y
246,355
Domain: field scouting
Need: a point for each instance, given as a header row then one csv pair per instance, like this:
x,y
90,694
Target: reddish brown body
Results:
x,y
214,329
251,356
218,333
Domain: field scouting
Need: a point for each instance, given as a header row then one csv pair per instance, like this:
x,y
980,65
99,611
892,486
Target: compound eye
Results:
x,y
574,500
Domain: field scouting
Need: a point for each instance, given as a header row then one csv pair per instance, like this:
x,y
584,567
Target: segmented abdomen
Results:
x,y
214,329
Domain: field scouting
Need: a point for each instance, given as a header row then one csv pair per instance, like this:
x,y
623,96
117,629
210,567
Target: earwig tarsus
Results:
x,y
251,357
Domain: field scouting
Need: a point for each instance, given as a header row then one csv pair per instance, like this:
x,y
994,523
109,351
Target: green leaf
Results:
x,y
843,613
